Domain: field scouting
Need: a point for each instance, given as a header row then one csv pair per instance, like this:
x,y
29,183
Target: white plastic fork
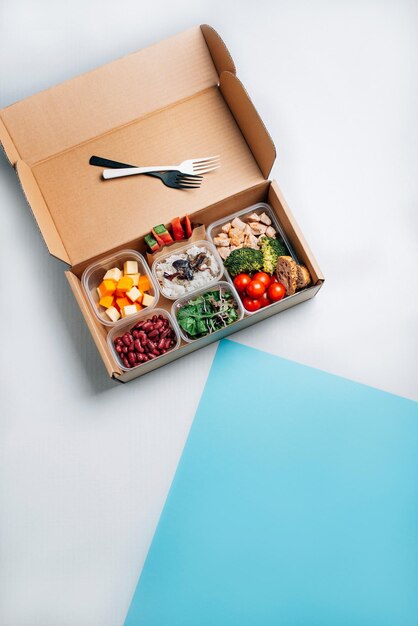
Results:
x,y
191,166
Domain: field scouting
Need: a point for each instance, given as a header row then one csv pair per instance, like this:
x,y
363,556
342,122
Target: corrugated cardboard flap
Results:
x,y
162,103
249,121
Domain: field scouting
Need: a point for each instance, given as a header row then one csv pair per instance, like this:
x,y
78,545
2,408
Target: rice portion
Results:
x,y
177,287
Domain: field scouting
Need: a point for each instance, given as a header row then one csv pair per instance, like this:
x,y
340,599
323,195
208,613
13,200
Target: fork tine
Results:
x,y
181,186
188,181
191,177
204,170
186,184
206,163
211,158
197,168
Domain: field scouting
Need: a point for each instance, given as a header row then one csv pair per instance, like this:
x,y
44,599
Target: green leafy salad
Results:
x,y
207,313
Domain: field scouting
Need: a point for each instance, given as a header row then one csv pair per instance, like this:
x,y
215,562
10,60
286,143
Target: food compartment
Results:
x,y
207,311
250,242
148,337
183,271
141,280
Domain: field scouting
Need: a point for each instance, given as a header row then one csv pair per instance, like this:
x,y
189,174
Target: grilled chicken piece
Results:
x,y
224,253
221,242
237,223
237,236
226,227
251,241
264,218
258,228
270,232
254,217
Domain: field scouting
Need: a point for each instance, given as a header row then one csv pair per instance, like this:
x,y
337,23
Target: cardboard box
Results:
x,y
177,99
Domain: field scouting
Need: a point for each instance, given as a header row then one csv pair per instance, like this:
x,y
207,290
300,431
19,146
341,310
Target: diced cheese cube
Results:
x,y
106,301
124,284
147,300
113,274
106,288
130,267
129,310
135,278
112,314
135,295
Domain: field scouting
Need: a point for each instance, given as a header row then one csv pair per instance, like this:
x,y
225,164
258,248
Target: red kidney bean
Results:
x,y
145,341
127,339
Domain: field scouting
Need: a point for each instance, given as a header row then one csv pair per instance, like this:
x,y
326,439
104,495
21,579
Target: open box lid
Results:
x,y
172,101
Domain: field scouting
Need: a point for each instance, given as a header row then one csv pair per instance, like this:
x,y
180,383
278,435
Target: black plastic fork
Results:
x,y
173,179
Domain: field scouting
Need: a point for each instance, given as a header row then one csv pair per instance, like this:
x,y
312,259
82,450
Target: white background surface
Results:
x,y
85,464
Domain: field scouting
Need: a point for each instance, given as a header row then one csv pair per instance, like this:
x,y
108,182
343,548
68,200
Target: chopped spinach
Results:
x,y
208,313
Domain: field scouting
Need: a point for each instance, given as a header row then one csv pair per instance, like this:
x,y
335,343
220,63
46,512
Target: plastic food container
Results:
x,y
201,244
226,286
93,276
215,228
129,322
261,207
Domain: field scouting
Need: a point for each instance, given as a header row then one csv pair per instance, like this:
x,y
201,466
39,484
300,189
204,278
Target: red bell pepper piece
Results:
x,y
178,232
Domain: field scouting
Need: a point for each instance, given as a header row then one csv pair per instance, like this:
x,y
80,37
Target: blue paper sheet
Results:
x,y
295,503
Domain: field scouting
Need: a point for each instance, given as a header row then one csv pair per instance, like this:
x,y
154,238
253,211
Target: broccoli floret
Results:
x,y
244,260
271,249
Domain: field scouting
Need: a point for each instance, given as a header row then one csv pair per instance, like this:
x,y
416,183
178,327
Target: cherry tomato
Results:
x,y
263,278
276,292
255,289
241,282
252,304
265,300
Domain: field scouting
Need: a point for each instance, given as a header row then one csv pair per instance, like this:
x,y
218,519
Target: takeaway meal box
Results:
x,y
175,100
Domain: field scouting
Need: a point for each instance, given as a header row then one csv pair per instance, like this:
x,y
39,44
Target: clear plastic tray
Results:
x,y
93,276
260,207
229,287
129,322
201,244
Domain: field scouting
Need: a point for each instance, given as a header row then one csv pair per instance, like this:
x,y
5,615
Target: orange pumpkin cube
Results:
x,y
106,288
144,283
124,284
106,301
139,307
121,302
